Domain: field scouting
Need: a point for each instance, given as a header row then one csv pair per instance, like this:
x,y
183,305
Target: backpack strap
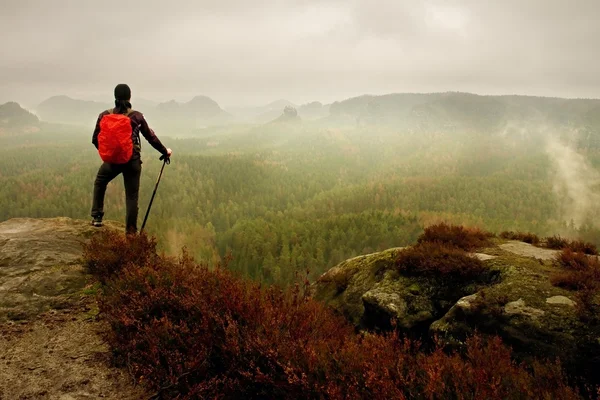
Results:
x,y
127,114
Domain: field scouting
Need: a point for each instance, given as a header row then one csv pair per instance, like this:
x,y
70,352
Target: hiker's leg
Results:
x,y
106,173
131,178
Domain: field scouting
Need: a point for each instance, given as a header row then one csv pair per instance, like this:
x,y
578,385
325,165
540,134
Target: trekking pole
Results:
x,y
166,161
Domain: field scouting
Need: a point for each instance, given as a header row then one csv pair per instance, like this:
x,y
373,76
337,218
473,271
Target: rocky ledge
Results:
x,y
51,344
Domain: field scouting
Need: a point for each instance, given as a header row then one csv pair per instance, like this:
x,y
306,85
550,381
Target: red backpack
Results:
x,y
115,142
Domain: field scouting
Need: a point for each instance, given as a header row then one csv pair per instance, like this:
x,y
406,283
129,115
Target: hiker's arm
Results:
x,y
96,132
151,137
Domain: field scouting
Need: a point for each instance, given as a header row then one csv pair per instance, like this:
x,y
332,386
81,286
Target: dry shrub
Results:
x,y
108,252
191,332
441,261
530,238
455,235
583,247
579,246
556,242
581,273
572,261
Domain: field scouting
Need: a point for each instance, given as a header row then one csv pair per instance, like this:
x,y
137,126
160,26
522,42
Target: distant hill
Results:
x,y
261,114
313,110
199,108
13,116
454,111
64,109
199,111
408,112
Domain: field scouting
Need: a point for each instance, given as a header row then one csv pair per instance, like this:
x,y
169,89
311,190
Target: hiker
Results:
x,y
121,155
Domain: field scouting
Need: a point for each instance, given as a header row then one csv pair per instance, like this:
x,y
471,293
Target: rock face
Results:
x,y
40,267
344,286
520,305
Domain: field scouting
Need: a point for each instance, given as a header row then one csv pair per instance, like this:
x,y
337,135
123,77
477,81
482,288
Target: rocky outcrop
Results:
x,y
520,304
40,265
372,294
51,344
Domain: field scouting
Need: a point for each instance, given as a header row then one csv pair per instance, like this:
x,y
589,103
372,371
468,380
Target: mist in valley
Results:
x,y
305,133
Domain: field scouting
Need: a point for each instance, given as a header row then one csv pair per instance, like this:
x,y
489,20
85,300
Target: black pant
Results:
x,y
131,178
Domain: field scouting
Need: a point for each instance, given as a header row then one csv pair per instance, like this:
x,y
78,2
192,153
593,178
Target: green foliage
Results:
x,y
281,200
187,331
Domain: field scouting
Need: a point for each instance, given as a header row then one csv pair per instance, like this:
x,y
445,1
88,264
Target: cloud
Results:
x,y
240,51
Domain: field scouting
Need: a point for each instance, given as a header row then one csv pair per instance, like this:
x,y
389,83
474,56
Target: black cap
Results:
x,y
122,92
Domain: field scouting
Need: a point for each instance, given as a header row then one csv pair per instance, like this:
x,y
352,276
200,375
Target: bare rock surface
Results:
x,y
60,355
51,344
40,264
528,250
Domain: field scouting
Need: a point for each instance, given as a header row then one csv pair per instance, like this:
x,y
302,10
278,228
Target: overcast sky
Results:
x,y
256,51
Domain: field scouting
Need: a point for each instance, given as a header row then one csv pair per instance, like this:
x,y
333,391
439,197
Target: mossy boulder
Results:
x,y
518,303
536,318
374,294
344,285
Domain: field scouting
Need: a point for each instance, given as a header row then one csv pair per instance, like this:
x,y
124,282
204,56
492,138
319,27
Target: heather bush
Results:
x,y
579,246
530,238
556,242
583,247
108,252
581,273
441,261
455,235
191,332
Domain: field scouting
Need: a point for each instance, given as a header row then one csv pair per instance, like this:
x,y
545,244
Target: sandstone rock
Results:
x,y
57,349
40,267
484,257
528,250
397,298
371,293
344,285
560,300
520,308
521,305
527,312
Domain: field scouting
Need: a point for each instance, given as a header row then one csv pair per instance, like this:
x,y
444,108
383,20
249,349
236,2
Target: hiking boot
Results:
x,y
97,222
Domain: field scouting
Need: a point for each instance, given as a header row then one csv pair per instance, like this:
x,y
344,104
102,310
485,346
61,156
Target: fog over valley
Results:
x,y
300,199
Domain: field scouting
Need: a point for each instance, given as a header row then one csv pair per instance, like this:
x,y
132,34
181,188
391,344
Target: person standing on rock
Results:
x,y
117,138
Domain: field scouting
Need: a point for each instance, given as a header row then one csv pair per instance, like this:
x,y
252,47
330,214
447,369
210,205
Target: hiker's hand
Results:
x,y
167,157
